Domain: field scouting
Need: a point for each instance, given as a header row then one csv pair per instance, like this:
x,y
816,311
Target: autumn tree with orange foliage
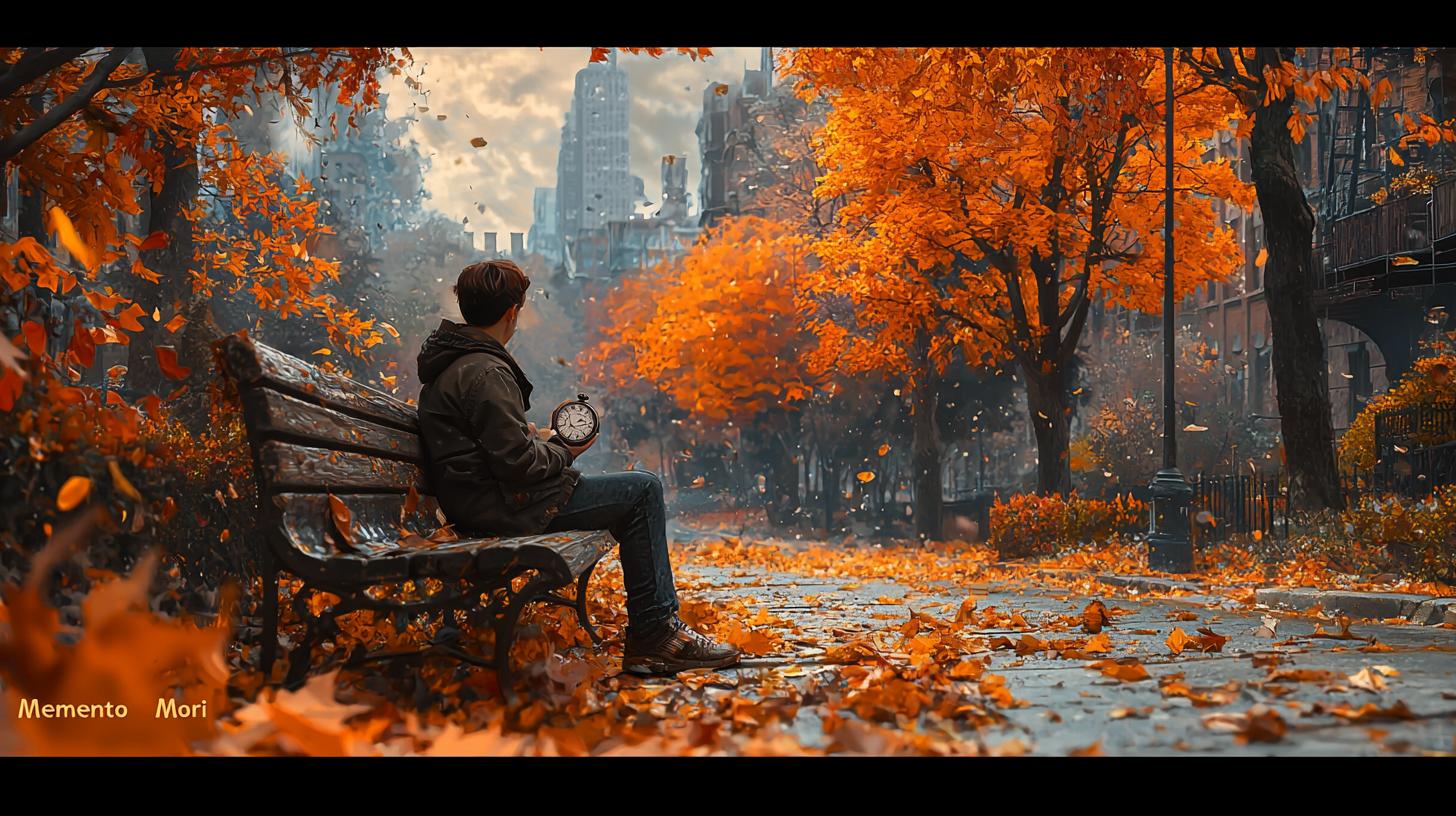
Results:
x,y
719,335
104,138
997,193
125,155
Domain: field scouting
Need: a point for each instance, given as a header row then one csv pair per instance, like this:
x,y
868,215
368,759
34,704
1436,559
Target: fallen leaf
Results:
x,y
1178,640
1094,617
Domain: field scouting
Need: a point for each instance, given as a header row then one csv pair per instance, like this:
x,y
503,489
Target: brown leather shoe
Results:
x,y
674,648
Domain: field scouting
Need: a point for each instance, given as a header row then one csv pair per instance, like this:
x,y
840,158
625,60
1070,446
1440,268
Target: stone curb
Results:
x,y
1144,583
1419,609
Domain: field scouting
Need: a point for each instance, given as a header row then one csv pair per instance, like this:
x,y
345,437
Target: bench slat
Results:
x,y
305,469
280,415
377,555
255,364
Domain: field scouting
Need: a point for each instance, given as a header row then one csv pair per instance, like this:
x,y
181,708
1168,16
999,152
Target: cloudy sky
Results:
x,y
516,99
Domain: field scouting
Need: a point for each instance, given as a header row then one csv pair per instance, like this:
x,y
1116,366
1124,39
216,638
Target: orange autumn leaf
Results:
x,y
1178,640
176,323
73,492
66,233
167,361
343,520
1127,669
157,240
1098,644
1094,617
865,476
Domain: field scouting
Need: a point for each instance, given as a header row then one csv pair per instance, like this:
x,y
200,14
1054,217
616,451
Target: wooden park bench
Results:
x,y
314,435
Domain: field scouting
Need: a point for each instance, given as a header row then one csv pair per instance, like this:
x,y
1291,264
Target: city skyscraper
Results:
x,y
593,172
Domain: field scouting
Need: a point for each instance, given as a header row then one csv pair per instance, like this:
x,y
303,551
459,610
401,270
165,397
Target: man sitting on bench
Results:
x,y
496,474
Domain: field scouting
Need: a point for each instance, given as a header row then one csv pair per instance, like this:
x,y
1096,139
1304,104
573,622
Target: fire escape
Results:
x,y
1386,268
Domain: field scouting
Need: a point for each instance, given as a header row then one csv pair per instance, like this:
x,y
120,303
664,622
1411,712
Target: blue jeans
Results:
x,y
629,505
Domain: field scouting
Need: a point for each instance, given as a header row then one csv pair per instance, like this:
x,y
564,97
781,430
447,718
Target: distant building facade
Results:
x,y
543,238
1374,312
725,129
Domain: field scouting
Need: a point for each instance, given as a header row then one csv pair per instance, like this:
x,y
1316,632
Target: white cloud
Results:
x,y
516,99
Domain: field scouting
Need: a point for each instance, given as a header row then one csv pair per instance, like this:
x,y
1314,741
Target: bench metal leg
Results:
x,y
301,657
582,616
270,617
504,625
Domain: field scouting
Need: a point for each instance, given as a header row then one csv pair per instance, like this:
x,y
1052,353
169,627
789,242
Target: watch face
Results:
x,y
575,422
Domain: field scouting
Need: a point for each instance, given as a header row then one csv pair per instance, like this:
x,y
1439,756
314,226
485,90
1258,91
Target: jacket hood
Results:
x,y
452,341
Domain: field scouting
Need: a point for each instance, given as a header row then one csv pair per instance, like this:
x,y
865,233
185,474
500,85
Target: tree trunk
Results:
x,y
781,487
172,263
1050,416
925,454
828,490
1299,350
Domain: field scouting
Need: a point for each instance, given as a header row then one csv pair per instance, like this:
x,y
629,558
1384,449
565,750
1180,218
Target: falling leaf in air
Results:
x,y
73,492
66,233
477,142
720,89
176,323
167,361
884,449
865,476
1262,258
393,332
699,482
323,352
123,485
1192,428
156,240
1404,260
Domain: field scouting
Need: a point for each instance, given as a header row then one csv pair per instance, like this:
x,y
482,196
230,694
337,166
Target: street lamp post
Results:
x,y
1169,547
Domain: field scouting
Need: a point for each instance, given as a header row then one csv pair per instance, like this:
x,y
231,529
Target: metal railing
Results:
x,y
1443,209
1390,229
1424,424
1240,504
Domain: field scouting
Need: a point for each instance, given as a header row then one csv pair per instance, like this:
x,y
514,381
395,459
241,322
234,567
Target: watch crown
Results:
x,y
581,397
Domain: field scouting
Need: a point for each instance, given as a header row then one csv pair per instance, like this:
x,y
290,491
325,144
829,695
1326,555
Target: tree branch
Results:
x,y
51,119
35,63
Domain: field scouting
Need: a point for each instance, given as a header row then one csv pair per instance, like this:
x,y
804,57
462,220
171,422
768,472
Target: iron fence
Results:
x,y
1241,504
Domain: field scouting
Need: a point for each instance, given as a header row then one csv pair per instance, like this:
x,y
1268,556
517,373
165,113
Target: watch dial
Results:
x,y
575,422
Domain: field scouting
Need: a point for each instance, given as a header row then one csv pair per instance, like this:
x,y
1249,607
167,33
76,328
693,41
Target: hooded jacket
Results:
x,y
491,476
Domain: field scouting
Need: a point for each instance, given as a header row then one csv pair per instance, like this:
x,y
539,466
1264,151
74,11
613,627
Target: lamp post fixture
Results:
x,y
1169,547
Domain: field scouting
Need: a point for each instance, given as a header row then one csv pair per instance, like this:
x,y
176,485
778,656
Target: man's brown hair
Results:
x,y
488,289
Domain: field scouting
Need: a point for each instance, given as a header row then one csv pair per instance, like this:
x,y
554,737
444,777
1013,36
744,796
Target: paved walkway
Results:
x,y
1072,707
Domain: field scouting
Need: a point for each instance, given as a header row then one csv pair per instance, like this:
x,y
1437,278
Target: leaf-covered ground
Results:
x,y
851,648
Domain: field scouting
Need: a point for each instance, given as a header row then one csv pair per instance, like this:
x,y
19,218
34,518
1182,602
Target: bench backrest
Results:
x,y
315,433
